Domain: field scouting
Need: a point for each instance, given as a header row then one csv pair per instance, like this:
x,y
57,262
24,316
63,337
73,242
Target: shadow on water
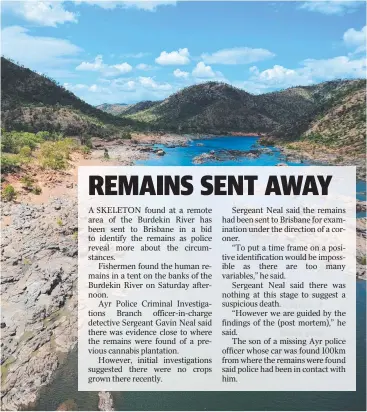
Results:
x,y
65,386
252,401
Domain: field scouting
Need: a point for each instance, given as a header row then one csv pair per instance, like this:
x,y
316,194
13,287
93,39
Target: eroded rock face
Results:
x,y
105,401
39,316
361,206
361,248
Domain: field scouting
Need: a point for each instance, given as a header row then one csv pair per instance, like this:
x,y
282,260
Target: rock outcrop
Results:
x,y
223,155
39,307
105,401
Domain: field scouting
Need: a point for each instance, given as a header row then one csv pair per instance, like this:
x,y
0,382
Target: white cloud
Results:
x,y
74,87
179,57
144,67
127,90
93,88
337,67
279,76
43,13
98,66
237,55
331,7
202,71
123,68
355,39
94,66
48,55
148,5
136,55
310,72
150,83
141,5
181,74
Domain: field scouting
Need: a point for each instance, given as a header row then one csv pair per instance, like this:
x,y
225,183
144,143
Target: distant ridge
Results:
x,y
115,109
334,109
331,113
127,109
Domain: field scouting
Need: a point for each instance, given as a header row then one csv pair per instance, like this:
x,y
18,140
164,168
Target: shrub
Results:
x,y
54,155
50,136
25,151
55,161
85,150
9,162
12,142
59,221
126,134
36,190
27,182
291,147
9,193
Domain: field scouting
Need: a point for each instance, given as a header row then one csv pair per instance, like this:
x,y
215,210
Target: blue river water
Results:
x,y
64,386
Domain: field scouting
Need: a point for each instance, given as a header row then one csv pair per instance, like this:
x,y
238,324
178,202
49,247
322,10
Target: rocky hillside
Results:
x,y
338,118
207,108
114,109
334,110
32,102
39,312
140,106
343,123
126,109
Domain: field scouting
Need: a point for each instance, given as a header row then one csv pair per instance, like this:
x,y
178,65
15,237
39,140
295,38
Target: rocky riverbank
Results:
x,y
317,154
39,304
223,155
39,256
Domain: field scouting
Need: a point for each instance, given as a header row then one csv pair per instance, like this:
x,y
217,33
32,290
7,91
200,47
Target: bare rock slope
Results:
x,y
39,272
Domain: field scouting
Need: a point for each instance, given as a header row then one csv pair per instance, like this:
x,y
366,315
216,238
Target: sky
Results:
x,y
125,52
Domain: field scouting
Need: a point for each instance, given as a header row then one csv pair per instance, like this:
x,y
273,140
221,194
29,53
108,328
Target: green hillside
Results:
x,y
32,102
289,114
331,113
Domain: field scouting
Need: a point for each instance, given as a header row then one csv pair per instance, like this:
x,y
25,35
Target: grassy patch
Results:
x,y
54,316
5,368
26,335
36,190
55,155
9,193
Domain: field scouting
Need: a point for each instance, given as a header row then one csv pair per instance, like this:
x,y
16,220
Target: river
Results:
x,y
64,386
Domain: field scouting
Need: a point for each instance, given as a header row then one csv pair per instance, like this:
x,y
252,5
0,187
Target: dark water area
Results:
x,y
65,384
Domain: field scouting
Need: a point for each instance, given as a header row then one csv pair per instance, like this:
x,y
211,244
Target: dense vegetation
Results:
x,y
307,112
338,116
19,148
33,102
